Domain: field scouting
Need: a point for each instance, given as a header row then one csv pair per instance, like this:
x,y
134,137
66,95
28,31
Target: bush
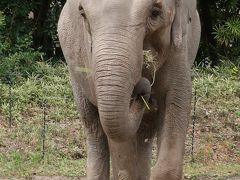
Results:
x,y
228,37
16,61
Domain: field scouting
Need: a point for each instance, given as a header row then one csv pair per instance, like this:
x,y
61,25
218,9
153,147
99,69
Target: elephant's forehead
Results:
x,y
116,6
117,11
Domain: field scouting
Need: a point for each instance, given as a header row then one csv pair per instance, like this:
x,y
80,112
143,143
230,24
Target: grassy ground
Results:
x,y
217,131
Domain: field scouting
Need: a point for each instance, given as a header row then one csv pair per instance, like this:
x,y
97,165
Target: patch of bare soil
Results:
x,y
47,178
84,178
215,178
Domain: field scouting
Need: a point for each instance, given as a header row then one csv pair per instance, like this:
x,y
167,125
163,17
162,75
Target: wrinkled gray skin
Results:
x,y
103,43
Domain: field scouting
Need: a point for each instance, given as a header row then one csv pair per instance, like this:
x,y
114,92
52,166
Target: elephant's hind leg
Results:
x,y
97,145
145,137
144,153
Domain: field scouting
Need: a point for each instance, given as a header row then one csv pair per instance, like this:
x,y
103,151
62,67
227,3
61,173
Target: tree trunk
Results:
x,y
207,28
40,34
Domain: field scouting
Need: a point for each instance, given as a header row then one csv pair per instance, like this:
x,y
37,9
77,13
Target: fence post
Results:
x,y
44,105
10,103
193,124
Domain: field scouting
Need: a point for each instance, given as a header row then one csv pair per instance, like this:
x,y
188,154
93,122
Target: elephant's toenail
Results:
x,y
122,175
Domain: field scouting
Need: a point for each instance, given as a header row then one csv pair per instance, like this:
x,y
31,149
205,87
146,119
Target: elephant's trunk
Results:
x,y
118,70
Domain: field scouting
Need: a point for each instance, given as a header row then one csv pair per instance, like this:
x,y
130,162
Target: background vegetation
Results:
x,y
37,19
31,62
217,131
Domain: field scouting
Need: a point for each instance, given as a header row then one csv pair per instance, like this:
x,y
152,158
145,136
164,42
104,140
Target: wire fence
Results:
x,y
51,125
46,109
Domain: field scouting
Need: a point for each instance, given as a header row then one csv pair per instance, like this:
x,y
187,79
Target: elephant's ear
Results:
x,y
177,25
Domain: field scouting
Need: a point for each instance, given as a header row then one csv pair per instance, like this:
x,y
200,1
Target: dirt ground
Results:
x,y
46,178
84,178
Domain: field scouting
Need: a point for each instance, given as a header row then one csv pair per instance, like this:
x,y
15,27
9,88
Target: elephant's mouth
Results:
x,y
142,95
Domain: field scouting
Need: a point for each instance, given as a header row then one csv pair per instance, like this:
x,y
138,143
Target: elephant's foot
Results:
x,y
98,158
123,175
124,159
131,159
166,173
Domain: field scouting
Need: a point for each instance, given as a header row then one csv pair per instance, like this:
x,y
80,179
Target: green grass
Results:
x,y
19,164
216,146
215,171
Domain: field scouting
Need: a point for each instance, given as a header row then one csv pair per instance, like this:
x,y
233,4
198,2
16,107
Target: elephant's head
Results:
x,y
118,30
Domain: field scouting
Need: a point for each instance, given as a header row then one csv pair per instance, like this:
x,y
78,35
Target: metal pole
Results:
x,y
44,129
193,124
10,104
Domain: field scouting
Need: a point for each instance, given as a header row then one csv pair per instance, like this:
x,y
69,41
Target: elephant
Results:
x,y
103,43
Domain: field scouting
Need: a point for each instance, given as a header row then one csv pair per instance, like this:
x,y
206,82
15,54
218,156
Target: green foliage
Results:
x,y
16,21
45,79
223,80
17,61
216,93
220,30
36,18
228,33
49,84
51,21
1,20
228,38
220,27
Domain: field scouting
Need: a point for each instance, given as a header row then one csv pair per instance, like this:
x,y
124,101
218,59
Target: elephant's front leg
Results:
x,y
97,144
124,159
131,160
172,134
97,157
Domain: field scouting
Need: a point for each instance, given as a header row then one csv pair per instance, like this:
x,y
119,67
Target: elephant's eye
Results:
x,y
82,12
155,12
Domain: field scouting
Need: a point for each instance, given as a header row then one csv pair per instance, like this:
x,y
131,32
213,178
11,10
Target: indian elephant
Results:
x,y
103,43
